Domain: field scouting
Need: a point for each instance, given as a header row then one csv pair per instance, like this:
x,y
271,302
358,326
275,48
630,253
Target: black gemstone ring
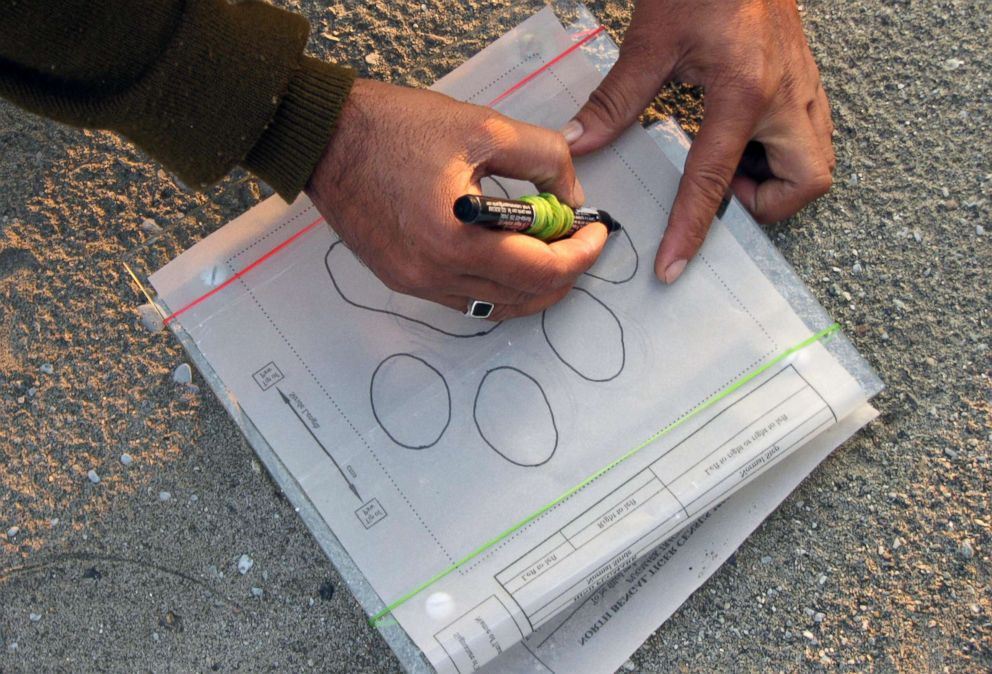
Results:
x,y
479,309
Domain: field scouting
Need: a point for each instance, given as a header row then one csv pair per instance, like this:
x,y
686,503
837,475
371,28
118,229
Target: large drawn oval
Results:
x,y
514,417
586,336
359,287
410,400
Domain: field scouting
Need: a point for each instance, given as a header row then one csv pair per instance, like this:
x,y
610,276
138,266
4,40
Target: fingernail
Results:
x,y
572,131
674,270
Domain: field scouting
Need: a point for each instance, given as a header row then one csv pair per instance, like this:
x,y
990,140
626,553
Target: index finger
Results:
x,y
713,158
533,153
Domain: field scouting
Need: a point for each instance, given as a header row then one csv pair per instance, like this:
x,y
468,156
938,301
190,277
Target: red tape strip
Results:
x,y
587,36
244,271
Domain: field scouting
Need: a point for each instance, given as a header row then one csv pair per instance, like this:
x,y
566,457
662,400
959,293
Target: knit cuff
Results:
x,y
292,144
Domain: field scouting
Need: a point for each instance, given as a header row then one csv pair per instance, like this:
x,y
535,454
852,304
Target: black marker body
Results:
x,y
518,216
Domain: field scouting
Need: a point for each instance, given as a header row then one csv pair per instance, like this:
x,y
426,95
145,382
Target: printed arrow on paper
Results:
x,y
290,405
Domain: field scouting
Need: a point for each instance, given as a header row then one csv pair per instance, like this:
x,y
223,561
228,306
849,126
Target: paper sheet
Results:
x,y
420,435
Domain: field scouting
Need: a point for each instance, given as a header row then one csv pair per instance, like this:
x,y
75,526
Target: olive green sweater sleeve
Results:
x,y
201,85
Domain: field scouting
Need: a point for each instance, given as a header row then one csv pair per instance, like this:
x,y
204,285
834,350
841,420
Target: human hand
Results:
x,y
762,86
389,178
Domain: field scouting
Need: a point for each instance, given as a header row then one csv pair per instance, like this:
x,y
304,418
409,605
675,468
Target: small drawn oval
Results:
x,y
514,417
411,401
618,262
586,336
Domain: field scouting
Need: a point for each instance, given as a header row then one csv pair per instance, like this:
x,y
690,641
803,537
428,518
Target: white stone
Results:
x,y
93,476
150,227
11,532
183,374
245,563
127,459
150,318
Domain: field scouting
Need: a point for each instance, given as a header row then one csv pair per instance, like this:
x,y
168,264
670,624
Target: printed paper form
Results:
x,y
392,413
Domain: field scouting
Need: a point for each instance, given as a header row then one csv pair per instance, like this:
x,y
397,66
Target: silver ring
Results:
x,y
479,309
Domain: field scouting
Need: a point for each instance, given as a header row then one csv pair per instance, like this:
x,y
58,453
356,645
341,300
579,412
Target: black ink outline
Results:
x,y
551,413
344,297
506,193
637,263
447,391
623,346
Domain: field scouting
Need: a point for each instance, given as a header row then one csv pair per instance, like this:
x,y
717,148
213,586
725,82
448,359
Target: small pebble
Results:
x,y
34,617
92,475
150,227
164,496
766,559
127,459
373,59
818,617
629,666
11,532
979,230
12,647
966,549
32,391
47,368
245,563
822,579
183,374
856,268
953,64
950,453
809,635
257,592
150,318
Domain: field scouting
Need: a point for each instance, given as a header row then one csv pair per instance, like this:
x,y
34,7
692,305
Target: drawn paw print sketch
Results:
x,y
410,397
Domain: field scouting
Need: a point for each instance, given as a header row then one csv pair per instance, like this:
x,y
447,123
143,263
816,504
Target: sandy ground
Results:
x,y
879,562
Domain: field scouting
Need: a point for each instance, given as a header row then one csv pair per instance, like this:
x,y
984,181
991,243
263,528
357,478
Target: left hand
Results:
x,y
761,84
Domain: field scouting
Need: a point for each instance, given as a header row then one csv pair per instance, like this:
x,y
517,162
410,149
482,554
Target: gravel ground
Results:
x,y
879,562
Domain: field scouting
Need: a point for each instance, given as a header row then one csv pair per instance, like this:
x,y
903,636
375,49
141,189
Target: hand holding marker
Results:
x,y
541,216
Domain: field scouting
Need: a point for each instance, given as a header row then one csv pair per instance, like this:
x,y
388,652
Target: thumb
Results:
x,y
622,95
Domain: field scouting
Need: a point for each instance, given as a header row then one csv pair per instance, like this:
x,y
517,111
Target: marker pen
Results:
x,y
521,216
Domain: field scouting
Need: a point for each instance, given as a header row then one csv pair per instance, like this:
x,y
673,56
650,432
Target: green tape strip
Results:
x,y
377,619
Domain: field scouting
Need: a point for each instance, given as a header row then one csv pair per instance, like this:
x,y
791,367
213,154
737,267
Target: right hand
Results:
x,y
389,178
